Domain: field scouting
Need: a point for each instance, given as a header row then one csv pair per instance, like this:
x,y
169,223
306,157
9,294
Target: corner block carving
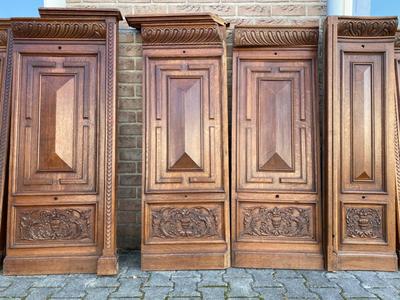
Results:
x,y
356,27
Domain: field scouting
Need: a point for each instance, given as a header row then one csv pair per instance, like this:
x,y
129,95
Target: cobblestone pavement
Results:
x,y
131,283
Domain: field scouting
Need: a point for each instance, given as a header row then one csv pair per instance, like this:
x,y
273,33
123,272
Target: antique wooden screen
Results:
x,y
185,199
360,139
61,210
5,80
276,205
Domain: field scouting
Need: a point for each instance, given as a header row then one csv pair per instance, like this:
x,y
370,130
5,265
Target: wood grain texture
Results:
x,y
62,165
276,203
397,133
185,199
359,148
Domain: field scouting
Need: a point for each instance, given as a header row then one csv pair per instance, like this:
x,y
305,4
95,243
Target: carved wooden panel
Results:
x,y
360,152
275,161
62,169
397,149
185,219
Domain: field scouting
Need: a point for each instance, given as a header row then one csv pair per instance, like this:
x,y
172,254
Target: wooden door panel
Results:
x,y
185,133
276,125
57,132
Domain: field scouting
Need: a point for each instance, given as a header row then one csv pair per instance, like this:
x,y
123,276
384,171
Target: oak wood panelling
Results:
x,y
276,203
5,80
397,92
62,170
185,204
359,149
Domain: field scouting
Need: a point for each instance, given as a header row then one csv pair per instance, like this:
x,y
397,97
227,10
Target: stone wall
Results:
x,y
277,12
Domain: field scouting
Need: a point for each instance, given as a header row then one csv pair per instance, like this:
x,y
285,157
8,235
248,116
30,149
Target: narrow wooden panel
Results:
x,y
397,77
61,210
185,199
276,204
360,154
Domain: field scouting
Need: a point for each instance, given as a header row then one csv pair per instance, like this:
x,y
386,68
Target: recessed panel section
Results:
x,y
57,110
184,126
275,127
185,222
273,221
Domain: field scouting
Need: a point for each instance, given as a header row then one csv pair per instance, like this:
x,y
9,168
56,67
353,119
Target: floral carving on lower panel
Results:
x,y
192,222
277,222
364,223
55,224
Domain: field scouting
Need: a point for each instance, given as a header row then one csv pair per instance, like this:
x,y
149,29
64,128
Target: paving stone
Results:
x,y
395,282
287,274
128,288
99,293
271,293
185,287
5,281
52,281
75,287
41,293
240,287
212,279
368,279
236,272
386,293
317,279
156,293
295,288
353,289
339,275
328,293
104,281
387,275
213,293
159,279
132,272
18,288
264,278
191,274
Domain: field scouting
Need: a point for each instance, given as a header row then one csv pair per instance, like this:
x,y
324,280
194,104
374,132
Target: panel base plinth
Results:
x,y
107,265
281,260
365,262
49,265
184,261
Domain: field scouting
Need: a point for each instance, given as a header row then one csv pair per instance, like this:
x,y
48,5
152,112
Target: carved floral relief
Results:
x,y
364,223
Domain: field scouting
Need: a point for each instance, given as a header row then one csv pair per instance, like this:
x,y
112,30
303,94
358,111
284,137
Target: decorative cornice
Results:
x,y
271,36
49,29
187,34
3,38
367,27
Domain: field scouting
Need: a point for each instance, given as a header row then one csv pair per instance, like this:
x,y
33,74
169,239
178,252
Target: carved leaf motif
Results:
x,y
194,222
188,34
271,37
72,30
3,38
285,221
367,27
55,224
364,223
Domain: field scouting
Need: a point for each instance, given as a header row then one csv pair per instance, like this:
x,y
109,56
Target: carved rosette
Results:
x,y
277,222
364,223
355,27
192,34
275,36
193,222
59,30
55,224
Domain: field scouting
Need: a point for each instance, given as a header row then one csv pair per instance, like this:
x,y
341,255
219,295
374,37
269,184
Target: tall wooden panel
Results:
x,y
397,93
5,80
185,204
360,139
276,205
61,211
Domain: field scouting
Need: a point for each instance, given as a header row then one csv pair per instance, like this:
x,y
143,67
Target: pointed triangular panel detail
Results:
x,y
275,163
363,176
185,162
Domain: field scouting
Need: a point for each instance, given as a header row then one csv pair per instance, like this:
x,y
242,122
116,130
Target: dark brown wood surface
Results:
x,y
5,80
61,211
359,147
276,204
185,200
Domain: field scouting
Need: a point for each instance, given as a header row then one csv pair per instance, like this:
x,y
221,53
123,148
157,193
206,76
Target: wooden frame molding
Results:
x,y
360,154
397,149
5,81
185,199
61,210
276,198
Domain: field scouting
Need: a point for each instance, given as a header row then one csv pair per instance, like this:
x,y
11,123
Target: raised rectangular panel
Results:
x,y
61,206
185,195
276,203
359,151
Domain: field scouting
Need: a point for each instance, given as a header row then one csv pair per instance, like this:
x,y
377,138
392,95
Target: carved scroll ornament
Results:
x,y
354,27
364,223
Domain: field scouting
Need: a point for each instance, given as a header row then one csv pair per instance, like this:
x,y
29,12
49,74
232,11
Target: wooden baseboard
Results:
x,y
367,262
184,261
49,265
107,265
281,260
